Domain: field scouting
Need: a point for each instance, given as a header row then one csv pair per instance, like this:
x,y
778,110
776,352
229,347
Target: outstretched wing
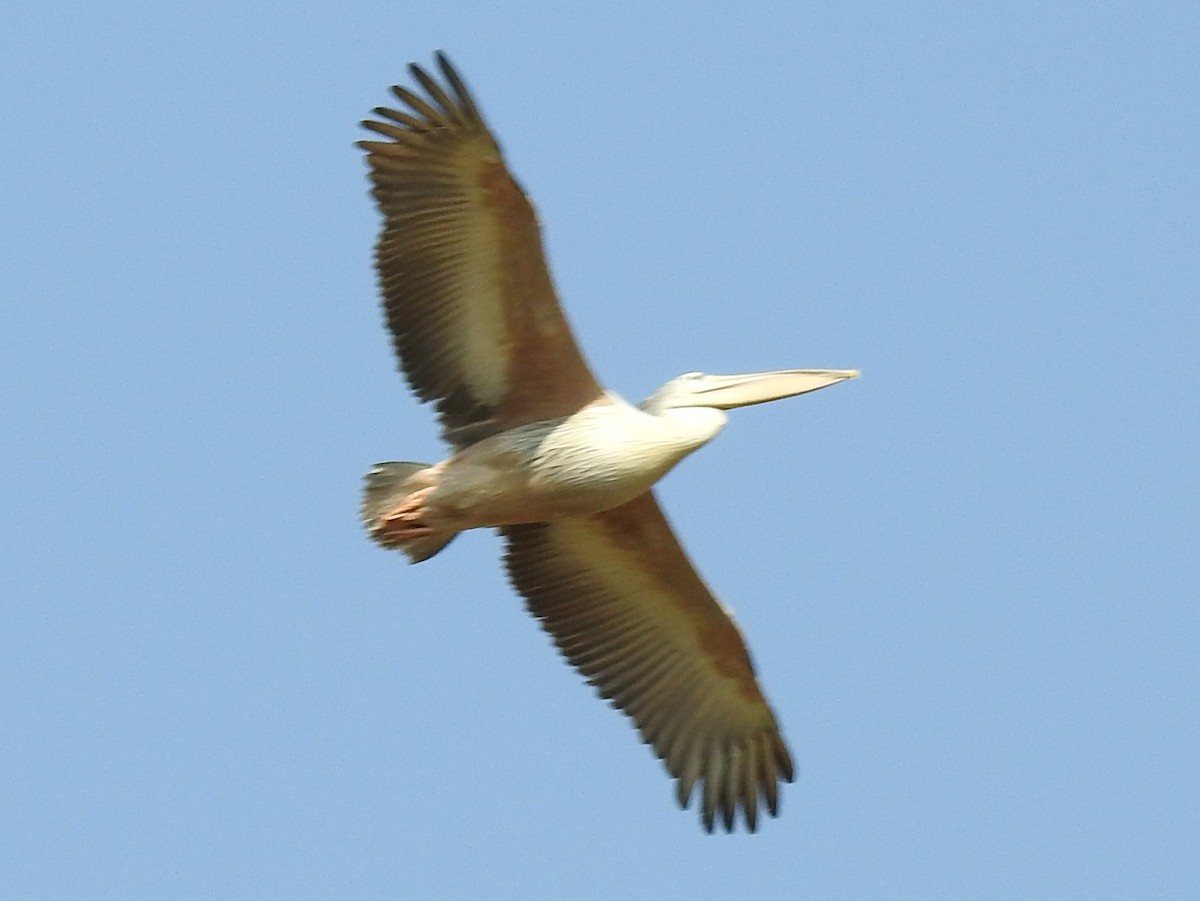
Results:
x,y
621,600
466,291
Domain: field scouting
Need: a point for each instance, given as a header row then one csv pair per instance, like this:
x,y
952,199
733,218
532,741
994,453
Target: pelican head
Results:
x,y
725,392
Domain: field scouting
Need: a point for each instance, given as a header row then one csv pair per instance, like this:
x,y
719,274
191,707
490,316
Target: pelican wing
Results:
x,y
466,291
621,600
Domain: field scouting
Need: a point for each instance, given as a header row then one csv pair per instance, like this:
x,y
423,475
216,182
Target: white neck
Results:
x,y
694,426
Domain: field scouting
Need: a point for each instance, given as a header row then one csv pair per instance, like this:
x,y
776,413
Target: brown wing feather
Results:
x,y
623,603
466,291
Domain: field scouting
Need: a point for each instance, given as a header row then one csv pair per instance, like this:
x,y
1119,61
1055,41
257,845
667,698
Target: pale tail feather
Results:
x,y
386,488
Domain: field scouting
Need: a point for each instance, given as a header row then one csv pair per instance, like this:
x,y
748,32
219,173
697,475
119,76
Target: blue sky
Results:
x,y
969,580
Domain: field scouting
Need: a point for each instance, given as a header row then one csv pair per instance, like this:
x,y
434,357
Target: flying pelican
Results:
x,y
561,466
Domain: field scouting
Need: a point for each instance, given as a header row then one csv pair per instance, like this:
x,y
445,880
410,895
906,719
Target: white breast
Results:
x,y
615,451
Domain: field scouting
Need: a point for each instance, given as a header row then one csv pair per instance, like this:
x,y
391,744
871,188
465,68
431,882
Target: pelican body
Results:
x,y
597,458
561,466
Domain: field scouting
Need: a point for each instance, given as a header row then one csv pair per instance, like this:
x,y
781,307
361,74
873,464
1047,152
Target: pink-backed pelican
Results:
x,y
561,466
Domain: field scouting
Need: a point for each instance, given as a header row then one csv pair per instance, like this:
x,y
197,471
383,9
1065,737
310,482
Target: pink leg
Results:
x,y
405,522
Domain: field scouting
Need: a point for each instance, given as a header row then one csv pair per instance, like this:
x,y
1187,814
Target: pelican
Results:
x,y
562,467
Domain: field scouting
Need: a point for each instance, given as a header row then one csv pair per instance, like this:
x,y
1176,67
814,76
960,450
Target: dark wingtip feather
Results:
x,y
461,92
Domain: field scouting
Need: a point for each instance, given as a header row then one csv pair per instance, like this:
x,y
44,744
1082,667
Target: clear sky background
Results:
x,y
969,579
